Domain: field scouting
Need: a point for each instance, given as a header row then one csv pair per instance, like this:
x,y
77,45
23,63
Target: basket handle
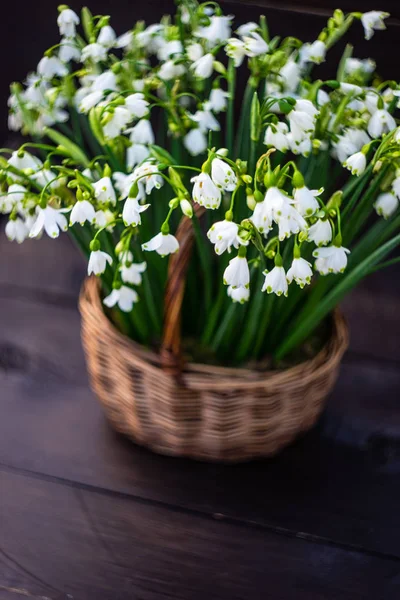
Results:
x,y
171,352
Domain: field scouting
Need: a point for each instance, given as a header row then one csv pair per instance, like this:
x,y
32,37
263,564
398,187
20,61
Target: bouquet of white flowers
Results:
x,y
131,133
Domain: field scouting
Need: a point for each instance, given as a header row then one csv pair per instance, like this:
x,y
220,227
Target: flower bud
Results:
x,y
174,203
186,208
94,245
258,196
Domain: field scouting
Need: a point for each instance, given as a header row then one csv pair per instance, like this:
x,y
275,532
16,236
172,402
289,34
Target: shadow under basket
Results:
x,y
203,412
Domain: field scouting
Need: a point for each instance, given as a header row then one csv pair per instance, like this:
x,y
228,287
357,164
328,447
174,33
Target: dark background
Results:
x,y
28,28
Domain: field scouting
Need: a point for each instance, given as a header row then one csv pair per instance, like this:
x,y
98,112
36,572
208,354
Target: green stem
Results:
x,y
230,115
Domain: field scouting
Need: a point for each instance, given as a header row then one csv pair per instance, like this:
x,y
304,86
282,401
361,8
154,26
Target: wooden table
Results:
x,y
85,514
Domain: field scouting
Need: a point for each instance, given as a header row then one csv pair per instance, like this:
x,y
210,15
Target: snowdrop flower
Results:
x,y
142,133
132,273
366,65
203,67
247,28
136,154
291,222
236,49
224,235
148,177
239,294
396,185
254,44
132,210
386,205
49,219
89,101
137,105
237,273
350,142
276,136
105,81
314,52
290,75
15,195
69,50
24,160
219,30
124,40
95,52
300,271
169,70
81,212
163,244
206,121
205,191
356,163
195,142
102,218
16,230
51,66
320,233
332,259
275,282
350,88
302,119
223,175
124,297
107,36
46,177
381,122
104,191
117,122
217,101
194,51
168,49
98,261
67,21
305,200
372,21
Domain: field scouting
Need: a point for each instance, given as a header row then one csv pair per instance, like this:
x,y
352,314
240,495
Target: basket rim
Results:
x,y
90,306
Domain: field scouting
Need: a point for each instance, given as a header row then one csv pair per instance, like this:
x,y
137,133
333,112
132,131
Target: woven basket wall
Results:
x,y
208,413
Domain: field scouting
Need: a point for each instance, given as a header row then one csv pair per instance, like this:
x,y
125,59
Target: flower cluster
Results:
x,y
138,129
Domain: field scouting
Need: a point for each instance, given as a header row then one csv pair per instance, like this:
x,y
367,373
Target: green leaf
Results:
x,y
255,118
162,155
95,125
67,146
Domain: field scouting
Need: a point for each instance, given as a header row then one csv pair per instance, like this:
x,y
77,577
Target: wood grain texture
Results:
x,y
145,551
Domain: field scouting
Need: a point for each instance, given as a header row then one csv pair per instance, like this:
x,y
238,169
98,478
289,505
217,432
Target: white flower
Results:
x,y
219,30
372,21
356,163
217,101
98,261
169,70
95,52
124,40
105,81
381,122
49,219
132,273
305,200
332,259
235,49
163,244
137,105
396,136
117,122
290,222
102,218
104,191
238,294
237,273
132,210
314,52
254,44
67,21
274,207
223,175
142,132
107,36
195,142
302,119
350,142
136,154
194,51
300,271
24,160
51,66
15,195
386,205
276,135
89,101
275,282
290,75
396,185
366,65
206,121
247,28
148,177
16,230
205,192
69,50
168,49
224,235
125,297
82,211
320,233
46,177
203,67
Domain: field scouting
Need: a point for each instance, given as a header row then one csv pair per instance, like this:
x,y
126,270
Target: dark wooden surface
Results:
x,y
86,514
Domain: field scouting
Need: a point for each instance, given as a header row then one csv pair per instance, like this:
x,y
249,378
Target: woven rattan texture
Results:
x,y
209,413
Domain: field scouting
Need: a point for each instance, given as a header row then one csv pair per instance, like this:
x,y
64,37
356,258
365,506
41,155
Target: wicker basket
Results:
x,y
194,410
